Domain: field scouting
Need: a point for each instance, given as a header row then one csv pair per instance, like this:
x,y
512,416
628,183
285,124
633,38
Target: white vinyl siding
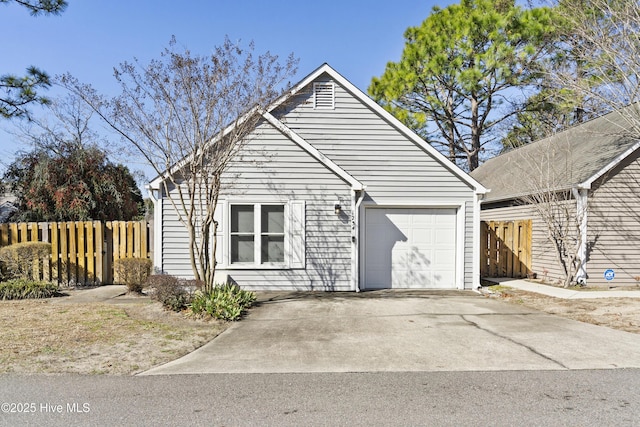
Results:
x,y
393,168
324,96
274,170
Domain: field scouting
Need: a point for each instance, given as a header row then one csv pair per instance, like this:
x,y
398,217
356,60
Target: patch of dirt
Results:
x,y
41,336
616,313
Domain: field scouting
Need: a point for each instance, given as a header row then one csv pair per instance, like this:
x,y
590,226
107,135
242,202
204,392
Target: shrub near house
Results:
x,y
20,266
223,302
132,272
25,288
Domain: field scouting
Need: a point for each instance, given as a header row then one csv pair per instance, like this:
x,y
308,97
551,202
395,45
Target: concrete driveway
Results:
x,y
404,331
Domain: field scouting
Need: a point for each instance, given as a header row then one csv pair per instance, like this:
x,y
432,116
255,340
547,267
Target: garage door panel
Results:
x,y
443,236
400,220
423,237
444,256
409,248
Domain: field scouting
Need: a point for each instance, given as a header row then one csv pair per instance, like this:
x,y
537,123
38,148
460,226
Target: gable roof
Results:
x,y
284,129
390,118
574,158
269,118
365,99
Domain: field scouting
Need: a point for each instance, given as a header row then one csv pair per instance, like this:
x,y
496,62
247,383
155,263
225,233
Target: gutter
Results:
x,y
356,201
478,197
156,198
582,197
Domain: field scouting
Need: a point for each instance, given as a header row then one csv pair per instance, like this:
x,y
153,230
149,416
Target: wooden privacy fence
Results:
x,y
505,249
82,252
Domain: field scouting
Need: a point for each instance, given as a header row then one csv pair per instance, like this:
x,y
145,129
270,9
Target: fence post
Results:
x,y
82,252
81,278
484,248
98,241
130,230
527,246
109,252
4,238
23,232
14,233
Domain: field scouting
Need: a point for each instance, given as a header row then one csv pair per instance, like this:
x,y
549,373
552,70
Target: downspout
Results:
x,y
477,200
156,198
581,195
356,201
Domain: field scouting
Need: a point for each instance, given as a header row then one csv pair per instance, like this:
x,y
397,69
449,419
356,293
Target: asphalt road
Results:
x,y
501,398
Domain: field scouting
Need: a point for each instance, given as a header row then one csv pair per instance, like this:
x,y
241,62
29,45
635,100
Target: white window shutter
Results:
x,y
297,252
219,217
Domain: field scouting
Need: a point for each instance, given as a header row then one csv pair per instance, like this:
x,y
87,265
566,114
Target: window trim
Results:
x,y
266,234
241,234
258,234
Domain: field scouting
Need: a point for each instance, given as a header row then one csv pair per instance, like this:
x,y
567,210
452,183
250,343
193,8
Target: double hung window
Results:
x,y
257,234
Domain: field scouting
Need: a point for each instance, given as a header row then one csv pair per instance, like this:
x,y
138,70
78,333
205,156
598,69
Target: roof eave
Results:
x,y
326,68
586,185
315,153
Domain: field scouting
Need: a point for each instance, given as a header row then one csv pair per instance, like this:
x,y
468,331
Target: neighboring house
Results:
x,y
7,206
334,193
595,168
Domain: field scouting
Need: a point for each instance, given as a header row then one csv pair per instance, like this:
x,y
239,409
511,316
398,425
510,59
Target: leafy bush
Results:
x,y
225,302
24,260
173,293
24,288
132,272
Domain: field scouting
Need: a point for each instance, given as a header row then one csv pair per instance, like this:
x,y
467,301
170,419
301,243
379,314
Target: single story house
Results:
x,y
347,196
592,172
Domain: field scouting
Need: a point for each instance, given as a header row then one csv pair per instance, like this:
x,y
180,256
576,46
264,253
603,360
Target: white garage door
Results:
x,y
410,248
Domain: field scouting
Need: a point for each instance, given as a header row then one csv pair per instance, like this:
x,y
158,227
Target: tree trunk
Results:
x,y
475,135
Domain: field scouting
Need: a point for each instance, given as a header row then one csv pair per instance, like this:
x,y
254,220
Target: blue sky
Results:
x,y
356,37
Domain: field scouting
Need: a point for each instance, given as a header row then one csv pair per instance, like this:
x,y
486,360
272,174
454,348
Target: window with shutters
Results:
x,y
257,234
323,96
265,235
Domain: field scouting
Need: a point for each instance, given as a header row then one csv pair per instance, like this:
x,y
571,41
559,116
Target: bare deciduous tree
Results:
x,y
543,186
563,222
605,46
188,116
600,74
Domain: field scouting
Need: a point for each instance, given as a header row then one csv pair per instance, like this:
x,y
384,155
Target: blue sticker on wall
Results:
x,y
609,274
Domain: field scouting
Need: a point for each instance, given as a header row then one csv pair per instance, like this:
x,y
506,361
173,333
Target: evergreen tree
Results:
x,y
16,92
454,83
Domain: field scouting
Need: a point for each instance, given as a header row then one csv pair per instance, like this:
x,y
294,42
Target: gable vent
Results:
x,y
323,96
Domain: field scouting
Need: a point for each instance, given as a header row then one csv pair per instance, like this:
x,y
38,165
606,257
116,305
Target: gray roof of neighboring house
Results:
x,y
572,158
7,206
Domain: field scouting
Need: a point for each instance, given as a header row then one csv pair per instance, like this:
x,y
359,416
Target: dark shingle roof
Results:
x,y
561,161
